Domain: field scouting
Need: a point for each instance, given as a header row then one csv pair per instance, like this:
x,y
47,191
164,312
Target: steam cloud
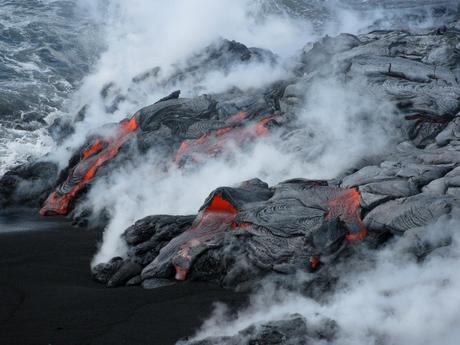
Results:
x,y
342,124
337,136
389,298
141,35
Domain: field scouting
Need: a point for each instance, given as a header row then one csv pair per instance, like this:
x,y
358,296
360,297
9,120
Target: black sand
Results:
x,y
47,296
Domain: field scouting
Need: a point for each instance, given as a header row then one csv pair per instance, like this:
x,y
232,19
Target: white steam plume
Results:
x,y
391,298
337,126
343,125
143,34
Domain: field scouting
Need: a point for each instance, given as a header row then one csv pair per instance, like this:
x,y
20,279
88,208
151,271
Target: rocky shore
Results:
x,y
246,232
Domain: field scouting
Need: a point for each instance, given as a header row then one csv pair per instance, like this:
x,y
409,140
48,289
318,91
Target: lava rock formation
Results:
x,y
244,232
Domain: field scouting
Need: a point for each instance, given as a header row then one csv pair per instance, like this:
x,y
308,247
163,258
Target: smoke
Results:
x,y
141,35
390,296
334,129
338,125
135,36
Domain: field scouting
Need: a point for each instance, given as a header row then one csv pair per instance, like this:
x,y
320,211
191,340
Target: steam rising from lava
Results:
x,y
383,297
339,132
341,124
142,35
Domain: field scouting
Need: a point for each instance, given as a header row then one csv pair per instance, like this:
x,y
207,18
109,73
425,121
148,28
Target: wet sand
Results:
x,y
47,296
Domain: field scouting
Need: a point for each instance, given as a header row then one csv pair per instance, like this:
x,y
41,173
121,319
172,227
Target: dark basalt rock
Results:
x,y
126,271
27,185
244,232
417,243
214,218
294,330
155,283
149,235
157,228
102,273
181,129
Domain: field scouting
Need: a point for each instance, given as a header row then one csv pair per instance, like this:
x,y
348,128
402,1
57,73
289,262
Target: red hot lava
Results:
x,y
346,206
216,218
100,151
220,140
105,149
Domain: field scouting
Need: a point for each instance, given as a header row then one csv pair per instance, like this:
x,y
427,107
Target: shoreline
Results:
x,y
47,296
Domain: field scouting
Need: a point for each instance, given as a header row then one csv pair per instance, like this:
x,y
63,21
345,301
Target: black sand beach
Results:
x,y
47,296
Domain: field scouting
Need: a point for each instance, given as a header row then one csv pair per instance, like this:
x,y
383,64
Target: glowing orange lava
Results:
x,y
216,218
99,144
58,203
219,140
346,206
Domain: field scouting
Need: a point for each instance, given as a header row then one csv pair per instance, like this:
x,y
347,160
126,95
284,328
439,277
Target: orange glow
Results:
x,y
219,140
238,117
216,218
59,204
357,236
240,225
95,147
128,126
181,274
219,204
346,206
222,131
260,128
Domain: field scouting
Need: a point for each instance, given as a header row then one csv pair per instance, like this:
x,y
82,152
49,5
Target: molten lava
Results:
x,y
238,117
221,139
343,204
99,144
216,218
99,152
346,206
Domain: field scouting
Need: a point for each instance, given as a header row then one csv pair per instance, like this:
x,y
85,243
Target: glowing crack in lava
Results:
x,y
221,139
99,152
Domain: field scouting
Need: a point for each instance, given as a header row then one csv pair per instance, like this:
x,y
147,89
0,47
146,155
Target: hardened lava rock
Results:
x,y
27,185
244,232
293,330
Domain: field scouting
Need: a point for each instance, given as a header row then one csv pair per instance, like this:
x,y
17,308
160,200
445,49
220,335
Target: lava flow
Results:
x,y
99,152
346,207
216,218
343,204
220,140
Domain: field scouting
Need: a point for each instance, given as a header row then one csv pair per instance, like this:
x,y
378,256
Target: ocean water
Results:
x,y
46,48
57,55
